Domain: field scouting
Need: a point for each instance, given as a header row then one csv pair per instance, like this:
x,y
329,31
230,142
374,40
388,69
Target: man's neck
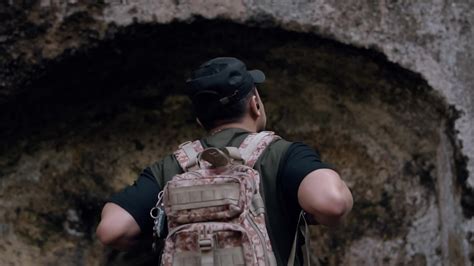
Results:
x,y
232,125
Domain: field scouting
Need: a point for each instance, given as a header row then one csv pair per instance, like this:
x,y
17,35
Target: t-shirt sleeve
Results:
x,y
139,198
298,161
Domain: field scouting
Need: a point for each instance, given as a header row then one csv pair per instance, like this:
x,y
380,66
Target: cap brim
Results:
x,y
257,76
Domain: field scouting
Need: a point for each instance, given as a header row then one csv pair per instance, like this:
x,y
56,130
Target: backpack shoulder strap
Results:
x,y
187,153
254,145
304,229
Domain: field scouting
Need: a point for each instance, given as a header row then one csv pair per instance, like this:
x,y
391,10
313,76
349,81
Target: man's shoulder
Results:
x,y
165,168
275,151
279,145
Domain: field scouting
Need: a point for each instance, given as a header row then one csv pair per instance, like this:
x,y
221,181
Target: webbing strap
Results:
x,y
257,206
292,257
193,197
230,256
254,144
207,257
307,241
190,153
206,246
221,256
251,142
234,153
186,258
187,153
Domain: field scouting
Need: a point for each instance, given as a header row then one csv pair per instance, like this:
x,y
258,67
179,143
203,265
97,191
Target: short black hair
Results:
x,y
212,115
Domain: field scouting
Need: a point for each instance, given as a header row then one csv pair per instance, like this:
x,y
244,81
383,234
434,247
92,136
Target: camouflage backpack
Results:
x,y
215,212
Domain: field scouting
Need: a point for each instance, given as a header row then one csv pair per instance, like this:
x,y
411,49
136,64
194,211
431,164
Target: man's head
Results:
x,y
223,91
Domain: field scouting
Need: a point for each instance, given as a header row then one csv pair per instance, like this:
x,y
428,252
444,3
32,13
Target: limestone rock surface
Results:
x,y
91,92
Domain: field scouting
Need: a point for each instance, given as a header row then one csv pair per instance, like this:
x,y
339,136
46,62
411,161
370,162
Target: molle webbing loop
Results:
x,y
204,196
257,206
220,256
187,153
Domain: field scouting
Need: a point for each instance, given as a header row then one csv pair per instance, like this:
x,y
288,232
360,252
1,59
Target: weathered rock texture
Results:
x,y
90,93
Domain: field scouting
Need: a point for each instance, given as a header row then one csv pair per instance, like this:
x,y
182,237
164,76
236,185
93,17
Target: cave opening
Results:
x,y
96,116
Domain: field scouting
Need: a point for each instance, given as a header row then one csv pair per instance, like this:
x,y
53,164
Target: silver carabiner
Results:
x,y
155,211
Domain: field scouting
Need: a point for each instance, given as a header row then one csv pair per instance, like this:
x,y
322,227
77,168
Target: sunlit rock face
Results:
x,y
88,101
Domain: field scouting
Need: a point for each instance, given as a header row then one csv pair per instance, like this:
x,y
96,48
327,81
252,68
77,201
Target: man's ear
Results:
x,y
254,106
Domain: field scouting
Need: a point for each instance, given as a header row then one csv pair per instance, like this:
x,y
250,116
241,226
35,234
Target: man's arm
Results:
x,y
323,194
125,218
117,227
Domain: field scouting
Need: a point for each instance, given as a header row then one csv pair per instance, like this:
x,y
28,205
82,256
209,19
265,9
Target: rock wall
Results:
x,y
90,94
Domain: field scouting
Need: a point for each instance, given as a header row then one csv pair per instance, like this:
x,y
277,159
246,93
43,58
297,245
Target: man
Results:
x,y
227,104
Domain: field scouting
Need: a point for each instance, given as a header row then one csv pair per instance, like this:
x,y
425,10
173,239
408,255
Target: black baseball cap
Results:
x,y
222,81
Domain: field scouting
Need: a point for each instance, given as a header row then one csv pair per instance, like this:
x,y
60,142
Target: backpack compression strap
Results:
x,y
254,144
187,153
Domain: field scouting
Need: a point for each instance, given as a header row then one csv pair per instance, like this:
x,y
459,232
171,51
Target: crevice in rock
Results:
x,y
460,165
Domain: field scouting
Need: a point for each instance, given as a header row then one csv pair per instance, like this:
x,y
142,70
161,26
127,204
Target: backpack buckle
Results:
x,y
206,243
184,143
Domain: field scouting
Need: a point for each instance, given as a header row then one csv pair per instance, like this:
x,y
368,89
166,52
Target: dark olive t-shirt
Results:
x,y
282,166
